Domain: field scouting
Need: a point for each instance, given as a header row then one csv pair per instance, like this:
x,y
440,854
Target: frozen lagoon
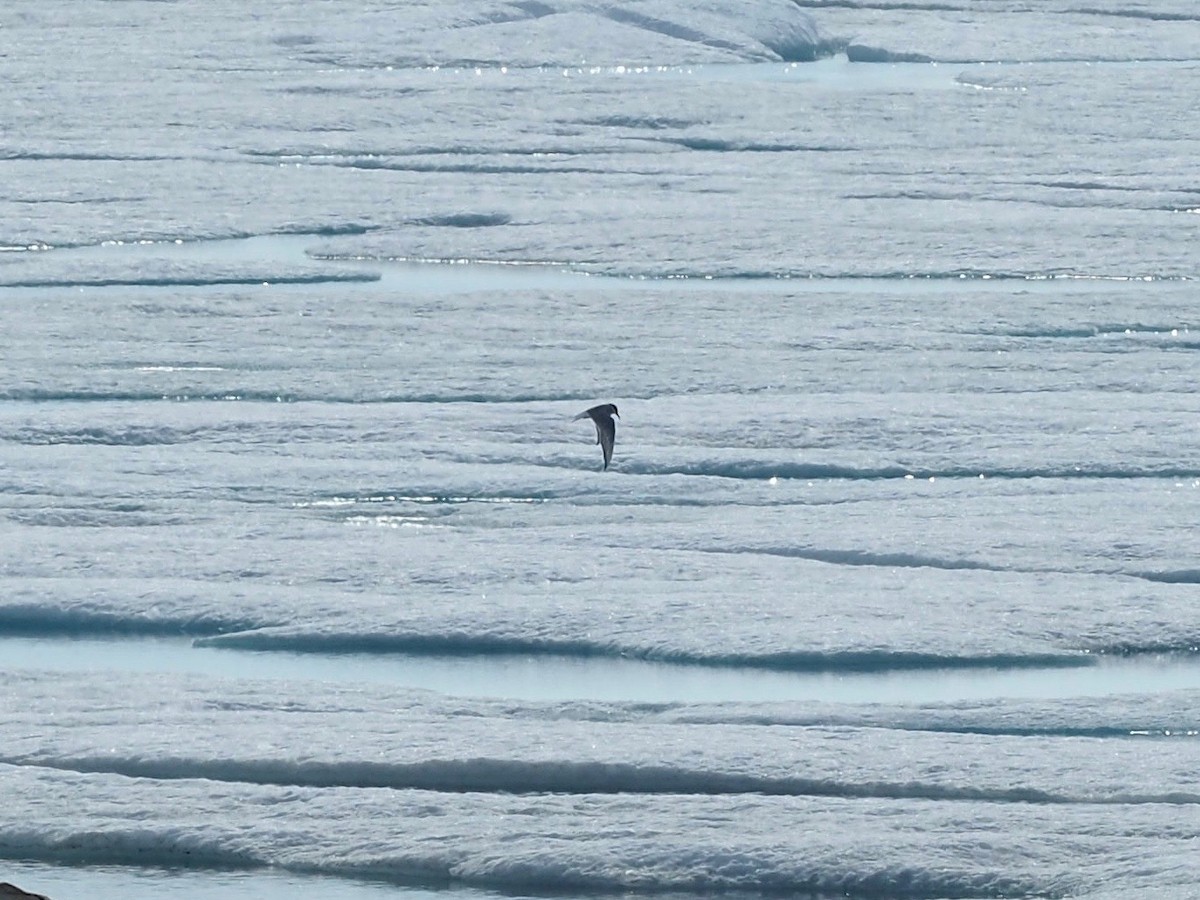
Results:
x,y
237,718
906,358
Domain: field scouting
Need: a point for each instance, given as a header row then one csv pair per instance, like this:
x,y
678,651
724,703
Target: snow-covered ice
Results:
x,y
308,575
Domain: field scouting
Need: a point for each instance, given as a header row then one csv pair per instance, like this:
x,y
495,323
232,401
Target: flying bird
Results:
x,y
606,428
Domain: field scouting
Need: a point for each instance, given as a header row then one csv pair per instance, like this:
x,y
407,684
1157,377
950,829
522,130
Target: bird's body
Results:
x,y
606,428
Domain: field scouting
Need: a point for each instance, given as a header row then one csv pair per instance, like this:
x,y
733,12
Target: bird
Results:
x,y
606,428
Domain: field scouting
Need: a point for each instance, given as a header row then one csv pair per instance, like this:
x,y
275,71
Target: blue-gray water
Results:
x,y
549,678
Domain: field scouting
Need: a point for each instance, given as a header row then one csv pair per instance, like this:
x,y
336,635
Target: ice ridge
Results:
x,y
289,639
765,469
197,279
145,846
1148,14
517,776
35,619
35,394
542,873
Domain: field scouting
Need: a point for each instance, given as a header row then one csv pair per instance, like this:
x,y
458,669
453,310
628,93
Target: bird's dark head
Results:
x,y
614,409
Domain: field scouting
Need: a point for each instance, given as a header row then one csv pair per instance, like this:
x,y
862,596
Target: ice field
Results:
x,y
310,583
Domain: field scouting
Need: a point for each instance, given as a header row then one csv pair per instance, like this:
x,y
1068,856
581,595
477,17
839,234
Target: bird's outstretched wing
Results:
x,y
606,436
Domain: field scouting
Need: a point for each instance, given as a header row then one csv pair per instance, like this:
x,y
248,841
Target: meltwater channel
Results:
x,y
561,678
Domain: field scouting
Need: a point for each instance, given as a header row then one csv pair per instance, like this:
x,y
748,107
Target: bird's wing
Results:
x,y
606,436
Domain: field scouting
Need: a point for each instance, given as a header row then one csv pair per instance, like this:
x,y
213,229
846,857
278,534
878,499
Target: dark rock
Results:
x,y
8,891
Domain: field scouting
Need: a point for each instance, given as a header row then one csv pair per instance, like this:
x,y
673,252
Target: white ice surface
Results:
x,y
297,305
419,789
